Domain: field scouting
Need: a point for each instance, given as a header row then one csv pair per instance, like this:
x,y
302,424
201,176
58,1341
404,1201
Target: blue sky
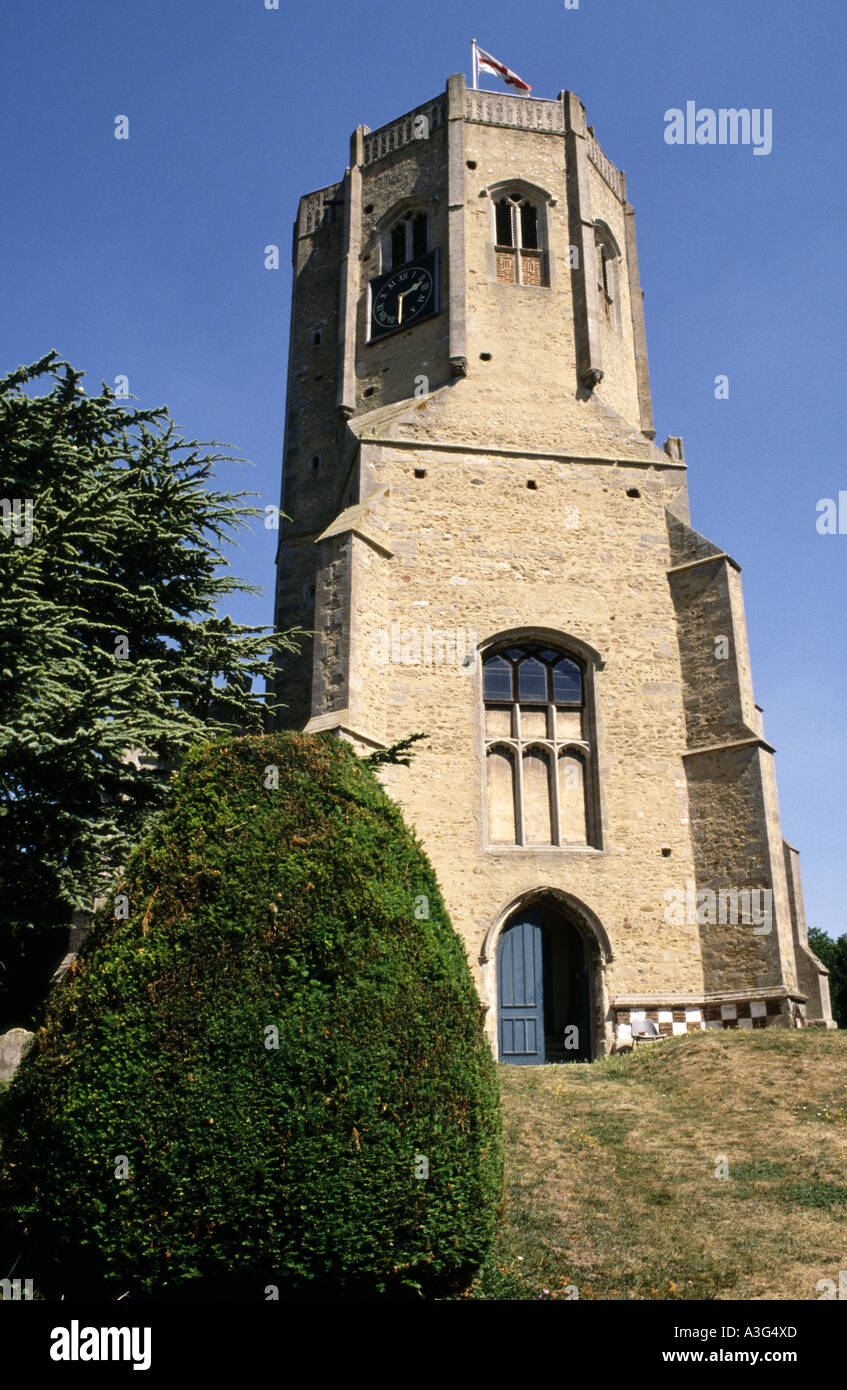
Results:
x,y
145,258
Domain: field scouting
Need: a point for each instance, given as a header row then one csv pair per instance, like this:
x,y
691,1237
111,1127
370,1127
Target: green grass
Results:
x,y
612,1172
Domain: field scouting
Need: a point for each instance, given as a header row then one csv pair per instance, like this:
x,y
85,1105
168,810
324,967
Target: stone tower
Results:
x,y
491,550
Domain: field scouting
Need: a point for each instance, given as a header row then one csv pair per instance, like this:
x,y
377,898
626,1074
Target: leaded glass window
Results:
x,y
538,747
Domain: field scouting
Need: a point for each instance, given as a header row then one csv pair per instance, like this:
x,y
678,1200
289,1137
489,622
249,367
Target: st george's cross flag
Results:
x,y
483,62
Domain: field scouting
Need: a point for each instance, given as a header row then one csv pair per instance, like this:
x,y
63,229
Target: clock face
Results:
x,y
404,296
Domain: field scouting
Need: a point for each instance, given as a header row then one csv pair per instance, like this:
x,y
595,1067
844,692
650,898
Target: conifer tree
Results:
x,y
113,656
833,953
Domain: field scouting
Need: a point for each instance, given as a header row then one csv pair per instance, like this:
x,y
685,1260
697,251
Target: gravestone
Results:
x,y
13,1045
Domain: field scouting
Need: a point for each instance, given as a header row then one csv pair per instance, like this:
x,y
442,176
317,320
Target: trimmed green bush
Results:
x,y
279,1039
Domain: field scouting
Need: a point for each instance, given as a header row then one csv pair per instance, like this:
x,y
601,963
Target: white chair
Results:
x,y
644,1030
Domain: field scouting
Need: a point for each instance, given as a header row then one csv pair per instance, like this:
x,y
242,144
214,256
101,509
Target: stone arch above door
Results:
x,y
589,923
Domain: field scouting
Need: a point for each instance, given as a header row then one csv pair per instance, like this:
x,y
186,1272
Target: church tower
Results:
x,y
491,550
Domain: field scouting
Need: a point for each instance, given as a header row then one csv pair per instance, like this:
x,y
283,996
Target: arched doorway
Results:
x,y
544,989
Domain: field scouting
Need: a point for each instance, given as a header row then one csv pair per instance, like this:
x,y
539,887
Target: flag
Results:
x,y
483,62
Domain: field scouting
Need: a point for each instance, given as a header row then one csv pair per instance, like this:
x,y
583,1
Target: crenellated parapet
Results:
x,y
518,113
415,125
321,208
615,178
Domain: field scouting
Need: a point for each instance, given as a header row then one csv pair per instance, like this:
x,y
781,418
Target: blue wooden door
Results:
x,y
520,978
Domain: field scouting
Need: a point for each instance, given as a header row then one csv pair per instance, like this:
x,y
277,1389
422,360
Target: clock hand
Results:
x,y
402,296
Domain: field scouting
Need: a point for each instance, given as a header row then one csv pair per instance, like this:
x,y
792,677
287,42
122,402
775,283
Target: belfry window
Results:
x,y
538,747
520,258
607,261
407,239
604,278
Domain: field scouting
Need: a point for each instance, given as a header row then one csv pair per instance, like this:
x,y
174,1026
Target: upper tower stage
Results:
x,y
524,277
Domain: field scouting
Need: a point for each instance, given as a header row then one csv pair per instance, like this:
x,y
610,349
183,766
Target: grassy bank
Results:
x,y
611,1182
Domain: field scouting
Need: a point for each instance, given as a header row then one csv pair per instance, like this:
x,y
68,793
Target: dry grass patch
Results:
x,y
612,1171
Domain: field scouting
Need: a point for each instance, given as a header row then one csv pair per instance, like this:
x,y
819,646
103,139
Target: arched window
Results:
x,y
538,747
517,241
406,239
607,260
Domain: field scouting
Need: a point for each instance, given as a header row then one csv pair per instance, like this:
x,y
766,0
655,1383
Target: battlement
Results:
x,y
615,178
320,208
488,108
518,112
379,143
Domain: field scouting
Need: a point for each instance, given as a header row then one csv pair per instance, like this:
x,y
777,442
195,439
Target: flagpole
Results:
x,y
474,65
